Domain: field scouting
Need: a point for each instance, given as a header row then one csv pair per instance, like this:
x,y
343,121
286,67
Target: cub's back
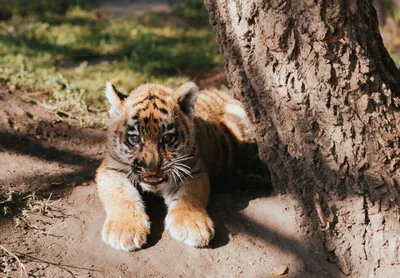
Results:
x,y
222,132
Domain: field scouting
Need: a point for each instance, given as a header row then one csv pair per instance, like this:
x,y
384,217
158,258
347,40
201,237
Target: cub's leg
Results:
x,y
127,224
187,218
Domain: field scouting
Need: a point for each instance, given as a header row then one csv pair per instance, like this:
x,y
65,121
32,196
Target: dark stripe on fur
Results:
x,y
164,111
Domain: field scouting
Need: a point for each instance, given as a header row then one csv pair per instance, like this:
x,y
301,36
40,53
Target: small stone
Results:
x,y
12,88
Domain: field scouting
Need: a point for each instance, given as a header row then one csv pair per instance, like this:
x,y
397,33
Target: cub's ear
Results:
x,y
186,96
114,98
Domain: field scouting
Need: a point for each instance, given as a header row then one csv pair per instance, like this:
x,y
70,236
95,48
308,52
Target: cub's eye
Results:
x,y
168,138
134,139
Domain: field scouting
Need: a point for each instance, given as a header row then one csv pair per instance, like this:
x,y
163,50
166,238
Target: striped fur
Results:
x,y
168,142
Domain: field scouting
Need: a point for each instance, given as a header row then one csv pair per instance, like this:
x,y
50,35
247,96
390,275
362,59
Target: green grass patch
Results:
x,y
69,52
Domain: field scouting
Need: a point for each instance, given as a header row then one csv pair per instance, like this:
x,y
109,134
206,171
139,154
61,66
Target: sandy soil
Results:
x,y
256,230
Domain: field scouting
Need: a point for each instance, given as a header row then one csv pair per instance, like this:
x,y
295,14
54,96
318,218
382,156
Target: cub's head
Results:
x,y
151,133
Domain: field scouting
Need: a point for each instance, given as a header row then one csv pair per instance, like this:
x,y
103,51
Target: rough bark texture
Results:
x,y
323,94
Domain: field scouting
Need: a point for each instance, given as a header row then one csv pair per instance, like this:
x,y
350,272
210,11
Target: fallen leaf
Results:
x,y
73,184
280,270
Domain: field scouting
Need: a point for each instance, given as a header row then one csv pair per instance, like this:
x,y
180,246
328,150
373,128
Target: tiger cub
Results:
x,y
167,142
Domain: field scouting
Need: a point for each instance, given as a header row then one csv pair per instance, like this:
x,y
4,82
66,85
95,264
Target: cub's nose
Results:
x,y
149,166
153,167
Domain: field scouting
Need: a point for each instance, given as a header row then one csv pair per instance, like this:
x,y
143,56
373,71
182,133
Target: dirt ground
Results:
x,y
256,230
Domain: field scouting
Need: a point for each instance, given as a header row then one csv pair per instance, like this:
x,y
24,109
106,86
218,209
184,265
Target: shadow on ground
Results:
x,y
255,231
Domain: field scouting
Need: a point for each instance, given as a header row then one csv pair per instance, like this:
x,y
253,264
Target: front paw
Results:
x,y
127,233
193,227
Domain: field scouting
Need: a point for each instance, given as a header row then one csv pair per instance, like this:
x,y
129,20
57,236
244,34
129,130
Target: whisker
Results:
x,y
183,165
183,171
173,176
176,169
178,174
182,158
179,160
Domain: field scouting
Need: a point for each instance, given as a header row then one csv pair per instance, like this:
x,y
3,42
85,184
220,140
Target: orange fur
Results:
x,y
166,142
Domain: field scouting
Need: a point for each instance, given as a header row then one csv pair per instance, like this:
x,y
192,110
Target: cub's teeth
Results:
x,y
152,180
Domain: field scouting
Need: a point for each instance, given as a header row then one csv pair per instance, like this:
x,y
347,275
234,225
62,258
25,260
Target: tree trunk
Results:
x,y
323,95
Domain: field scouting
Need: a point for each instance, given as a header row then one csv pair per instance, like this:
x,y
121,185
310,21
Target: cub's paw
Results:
x,y
126,233
193,227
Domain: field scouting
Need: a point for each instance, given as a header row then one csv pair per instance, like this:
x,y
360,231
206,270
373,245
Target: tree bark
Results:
x,y
323,95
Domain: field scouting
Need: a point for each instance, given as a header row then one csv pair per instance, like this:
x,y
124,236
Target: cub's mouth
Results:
x,y
153,179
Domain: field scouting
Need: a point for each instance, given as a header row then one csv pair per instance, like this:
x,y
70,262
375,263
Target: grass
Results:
x,y
10,262
69,51
19,206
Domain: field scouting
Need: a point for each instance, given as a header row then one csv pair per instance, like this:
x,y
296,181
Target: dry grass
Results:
x,y
9,263
19,206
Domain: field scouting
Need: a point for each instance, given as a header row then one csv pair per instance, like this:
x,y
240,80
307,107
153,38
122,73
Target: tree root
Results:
x,y
325,223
